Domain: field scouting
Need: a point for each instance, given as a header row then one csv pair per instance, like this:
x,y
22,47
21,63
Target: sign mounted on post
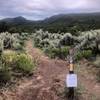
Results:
x,y
71,80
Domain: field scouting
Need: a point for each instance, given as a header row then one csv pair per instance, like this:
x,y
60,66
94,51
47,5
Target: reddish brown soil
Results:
x,y
48,81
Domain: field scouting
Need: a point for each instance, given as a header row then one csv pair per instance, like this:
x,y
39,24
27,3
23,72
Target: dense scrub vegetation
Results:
x,y
14,61
86,45
58,44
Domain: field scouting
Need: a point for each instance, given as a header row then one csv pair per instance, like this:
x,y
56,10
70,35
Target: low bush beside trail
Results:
x,y
13,62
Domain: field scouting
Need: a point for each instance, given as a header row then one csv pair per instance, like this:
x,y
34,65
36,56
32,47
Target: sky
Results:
x,y
40,9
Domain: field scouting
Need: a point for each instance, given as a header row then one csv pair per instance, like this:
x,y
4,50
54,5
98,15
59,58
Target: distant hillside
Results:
x,y
72,22
15,20
63,22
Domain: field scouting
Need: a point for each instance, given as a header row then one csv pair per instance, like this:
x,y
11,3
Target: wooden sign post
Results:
x,y
71,78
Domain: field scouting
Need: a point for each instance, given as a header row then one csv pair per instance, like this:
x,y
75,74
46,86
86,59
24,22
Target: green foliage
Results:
x,y
15,63
8,40
63,23
84,54
5,74
57,52
65,51
3,26
67,39
87,54
54,52
12,30
13,41
88,42
18,61
17,46
9,57
24,63
79,56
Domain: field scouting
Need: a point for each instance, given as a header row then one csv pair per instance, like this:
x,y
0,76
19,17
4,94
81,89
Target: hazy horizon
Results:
x,y
41,9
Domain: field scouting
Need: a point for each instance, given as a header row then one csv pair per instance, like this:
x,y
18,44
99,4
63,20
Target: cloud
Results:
x,y
39,9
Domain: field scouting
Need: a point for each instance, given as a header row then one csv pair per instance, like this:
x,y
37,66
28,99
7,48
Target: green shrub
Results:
x,y
87,54
48,51
57,52
5,74
9,57
84,54
64,51
79,56
6,64
24,63
19,62
18,46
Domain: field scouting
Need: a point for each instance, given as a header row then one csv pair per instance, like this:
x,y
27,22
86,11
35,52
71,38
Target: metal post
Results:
x,y
71,71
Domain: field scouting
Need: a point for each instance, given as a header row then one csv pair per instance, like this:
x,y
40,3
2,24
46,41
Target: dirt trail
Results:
x,y
48,81
50,75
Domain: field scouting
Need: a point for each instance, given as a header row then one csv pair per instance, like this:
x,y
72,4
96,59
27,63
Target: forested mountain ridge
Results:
x,y
62,22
